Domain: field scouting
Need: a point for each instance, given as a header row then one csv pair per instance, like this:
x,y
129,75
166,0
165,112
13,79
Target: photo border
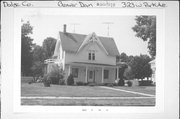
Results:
x,y
166,107
159,13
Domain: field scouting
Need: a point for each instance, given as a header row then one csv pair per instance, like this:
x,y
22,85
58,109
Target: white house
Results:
x,y
89,58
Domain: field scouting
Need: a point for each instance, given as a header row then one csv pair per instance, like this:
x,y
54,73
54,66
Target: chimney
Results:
x,y
64,28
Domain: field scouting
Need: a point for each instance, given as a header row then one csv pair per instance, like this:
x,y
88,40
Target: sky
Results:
x,y
120,29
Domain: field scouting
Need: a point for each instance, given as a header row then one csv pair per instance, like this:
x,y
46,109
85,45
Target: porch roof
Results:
x,y
92,64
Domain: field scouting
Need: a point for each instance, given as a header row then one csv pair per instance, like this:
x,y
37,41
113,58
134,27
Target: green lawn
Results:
x,y
89,102
140,89
38,90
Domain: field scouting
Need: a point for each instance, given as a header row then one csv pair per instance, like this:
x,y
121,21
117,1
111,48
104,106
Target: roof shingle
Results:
x,y
72,41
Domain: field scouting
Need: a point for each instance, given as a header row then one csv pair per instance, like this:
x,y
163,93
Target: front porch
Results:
x,y
92,73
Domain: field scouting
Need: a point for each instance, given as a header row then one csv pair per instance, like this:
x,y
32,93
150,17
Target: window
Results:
x,y
106,74
91,55
75,72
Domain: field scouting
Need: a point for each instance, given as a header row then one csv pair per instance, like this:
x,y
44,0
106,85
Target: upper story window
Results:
x,y
91,55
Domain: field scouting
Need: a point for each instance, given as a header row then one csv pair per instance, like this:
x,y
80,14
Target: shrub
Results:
x,y
70,80
101,84
115,84
56,74
61,82
145,83
54,80
110,85
30,82
46,81
129,83
80,83
121,82
91,84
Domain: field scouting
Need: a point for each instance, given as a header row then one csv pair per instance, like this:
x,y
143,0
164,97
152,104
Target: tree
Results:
x,y
147,71
26,48
122,57
37,69
125,72
140,68
38,61
128,73
38,53
145,29
49,46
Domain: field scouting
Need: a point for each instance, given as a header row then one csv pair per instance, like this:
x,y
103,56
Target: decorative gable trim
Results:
x,y
92,38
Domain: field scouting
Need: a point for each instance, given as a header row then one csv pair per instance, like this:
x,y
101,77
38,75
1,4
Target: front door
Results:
x,y
91,76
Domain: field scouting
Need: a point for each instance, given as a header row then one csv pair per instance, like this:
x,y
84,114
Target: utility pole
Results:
x,y
108,24
74,25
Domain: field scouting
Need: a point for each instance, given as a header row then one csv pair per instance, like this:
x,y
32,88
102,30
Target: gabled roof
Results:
x,y
92,38
71,42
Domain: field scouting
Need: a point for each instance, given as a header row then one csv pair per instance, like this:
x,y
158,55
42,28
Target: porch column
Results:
x,y
117,73
86,74
102,74
69,72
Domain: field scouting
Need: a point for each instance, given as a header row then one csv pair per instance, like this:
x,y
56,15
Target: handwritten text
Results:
x,y
143,4
77,4
17,4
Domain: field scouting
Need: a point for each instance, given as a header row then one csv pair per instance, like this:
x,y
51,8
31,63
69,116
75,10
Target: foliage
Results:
x,y
56,71
92,84
70,80
56,74
26,46
134,67
37,68
26,29
147,71
101,84
110,84
125,72
38,53
122,57
49,46
129,83
140,68
121,82
38,61
46,81
145,29
41,53
145,83
121,71
80,83
46,84
128,74
61,82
